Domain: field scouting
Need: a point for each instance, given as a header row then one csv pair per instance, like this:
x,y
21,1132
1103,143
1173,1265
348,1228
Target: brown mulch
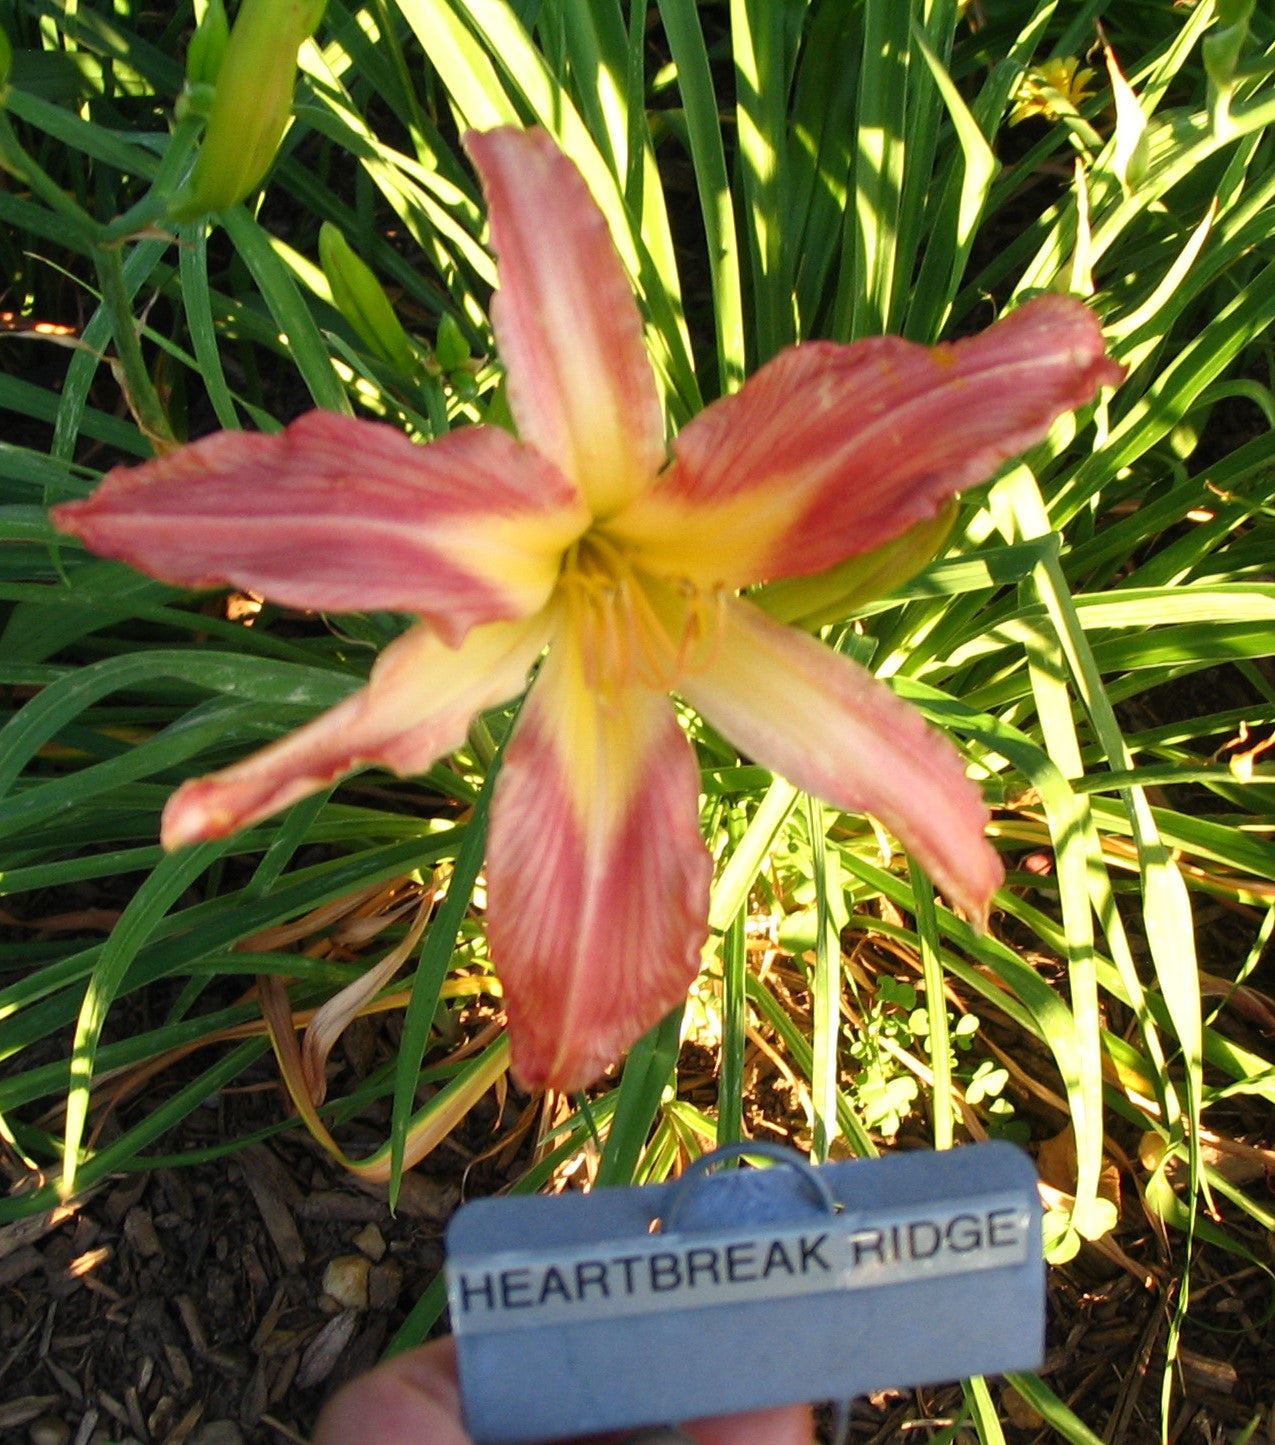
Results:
x,y
208,1306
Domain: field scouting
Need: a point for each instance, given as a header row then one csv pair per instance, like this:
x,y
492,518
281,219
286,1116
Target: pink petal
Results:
x,y
415,708
829,451
831,728
569,332
597,874
345,515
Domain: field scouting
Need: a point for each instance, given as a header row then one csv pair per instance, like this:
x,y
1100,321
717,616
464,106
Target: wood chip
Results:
x,y
254,1271
283,1342
85,1234
27,1231
277,1218
282,1381
113,1407
225,1360
139,1230
159,1419
218,1432
186,1424
259,1162
419,1197
133,1405
123,1197
256,1396
67,1274
22,1261
335,1206
26,1407
286,1431
270,1319
326,1349
177,1192
88,1423
194,1325
179,1366
66,1379
384,1285
91,1282
1206,1373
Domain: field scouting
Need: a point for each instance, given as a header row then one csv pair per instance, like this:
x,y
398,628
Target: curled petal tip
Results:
x,y
1108,372
978,907
66,517
192,815
1070,337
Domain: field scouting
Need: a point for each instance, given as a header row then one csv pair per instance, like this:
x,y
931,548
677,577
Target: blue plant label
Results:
x,y
744,1289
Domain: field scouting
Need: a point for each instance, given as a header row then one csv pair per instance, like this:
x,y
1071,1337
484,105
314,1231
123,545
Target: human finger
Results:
x,y
412,1399
785,1425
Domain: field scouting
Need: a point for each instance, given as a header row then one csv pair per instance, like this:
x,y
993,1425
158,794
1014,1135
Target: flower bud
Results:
x,y
833,596
207,48
359,297
252,104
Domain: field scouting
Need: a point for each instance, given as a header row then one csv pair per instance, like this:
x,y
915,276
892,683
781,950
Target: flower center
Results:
x,y
633,628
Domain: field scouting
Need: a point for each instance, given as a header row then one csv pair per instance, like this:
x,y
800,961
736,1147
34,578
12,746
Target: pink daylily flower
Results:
x,y
581,546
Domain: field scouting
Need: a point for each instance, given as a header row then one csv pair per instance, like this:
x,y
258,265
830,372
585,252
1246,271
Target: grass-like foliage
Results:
x,y
1093,635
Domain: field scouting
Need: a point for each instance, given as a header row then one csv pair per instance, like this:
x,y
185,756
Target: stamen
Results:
x,y
632,628
656,647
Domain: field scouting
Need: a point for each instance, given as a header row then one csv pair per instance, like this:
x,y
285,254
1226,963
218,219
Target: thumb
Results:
x,y
414,1398
410,1399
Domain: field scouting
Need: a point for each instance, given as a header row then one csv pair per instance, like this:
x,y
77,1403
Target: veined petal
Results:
x,y
829,451
416,707
597,876
580,382
830,727
344,516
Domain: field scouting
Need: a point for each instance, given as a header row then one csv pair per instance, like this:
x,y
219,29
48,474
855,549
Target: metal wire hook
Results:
x,y
777,1153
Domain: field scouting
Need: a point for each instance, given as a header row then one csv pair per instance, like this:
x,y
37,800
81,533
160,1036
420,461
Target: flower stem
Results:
x,y
91,238
153,206
140,393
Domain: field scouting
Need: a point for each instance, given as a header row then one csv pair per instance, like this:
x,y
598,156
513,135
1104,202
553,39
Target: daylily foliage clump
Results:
x,y
582,547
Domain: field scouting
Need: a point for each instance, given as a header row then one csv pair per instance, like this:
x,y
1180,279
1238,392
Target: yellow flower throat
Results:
x,y
632,627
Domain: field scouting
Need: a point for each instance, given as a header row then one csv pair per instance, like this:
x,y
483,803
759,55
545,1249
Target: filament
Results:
x,y
632,628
